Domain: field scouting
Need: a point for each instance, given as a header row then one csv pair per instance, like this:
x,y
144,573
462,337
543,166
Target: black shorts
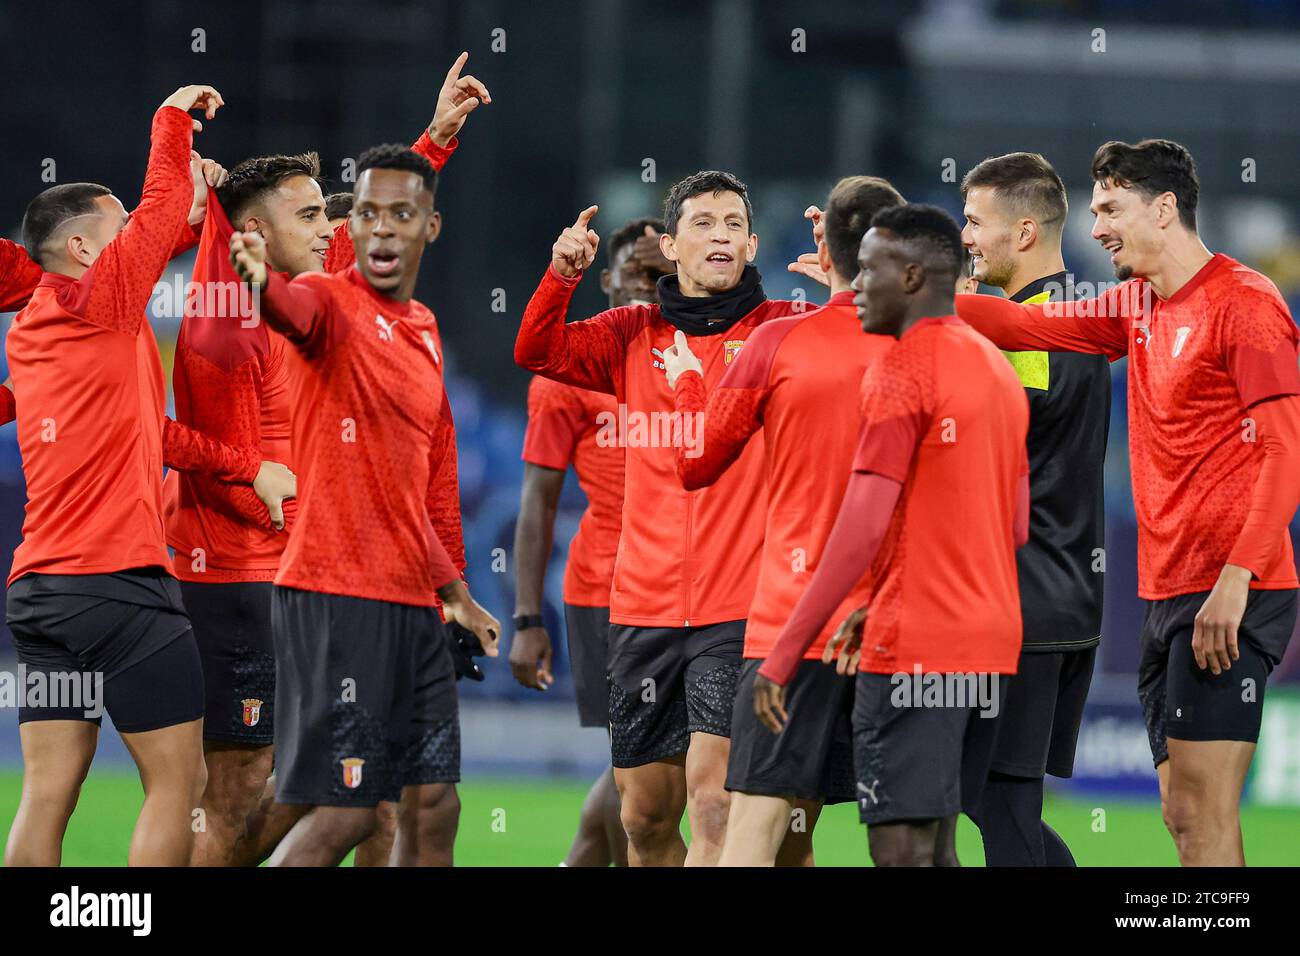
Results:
x,y
666,683
232,625
920,762
587,629
1182,701
812,757
365,699
1039,724
100,642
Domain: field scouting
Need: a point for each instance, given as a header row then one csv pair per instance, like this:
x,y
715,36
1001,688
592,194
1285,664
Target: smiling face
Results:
x,y
392,221
988,236
291,218
712,244
1130,226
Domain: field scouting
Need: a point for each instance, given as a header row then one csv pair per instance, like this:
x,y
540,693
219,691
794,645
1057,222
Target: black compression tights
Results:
x,y
1010,819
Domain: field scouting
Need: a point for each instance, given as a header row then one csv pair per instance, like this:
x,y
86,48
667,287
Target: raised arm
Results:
x,y
1097,326
122,279
458,97
589,353
207,175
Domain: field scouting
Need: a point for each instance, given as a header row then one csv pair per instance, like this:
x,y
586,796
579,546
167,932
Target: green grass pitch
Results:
x,y
530,822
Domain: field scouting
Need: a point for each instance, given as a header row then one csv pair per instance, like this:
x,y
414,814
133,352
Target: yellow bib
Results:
x,y
1033,368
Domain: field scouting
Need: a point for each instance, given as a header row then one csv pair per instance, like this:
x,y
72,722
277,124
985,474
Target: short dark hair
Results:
x,y
852,204
713,181
254,178
1026,182
930,231
338,205
629,232
52,208
397,156
1153,167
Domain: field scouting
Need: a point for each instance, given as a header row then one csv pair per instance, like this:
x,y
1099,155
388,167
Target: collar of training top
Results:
x,y
1056,281
1040,285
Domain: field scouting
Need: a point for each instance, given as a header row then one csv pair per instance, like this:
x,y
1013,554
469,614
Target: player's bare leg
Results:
x,y
427,819
707,799
797,847
266,827
945,843
237,776
324,836
600,839
377,850
170,761
1200,799
653,798
769,831
905,843
756,828
611,817
56,758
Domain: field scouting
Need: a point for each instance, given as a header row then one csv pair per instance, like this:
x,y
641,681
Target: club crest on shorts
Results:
x,y
352,772
731,349
252,711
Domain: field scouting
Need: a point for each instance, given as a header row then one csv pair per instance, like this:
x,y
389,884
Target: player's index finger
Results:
x,y
454,72
584,217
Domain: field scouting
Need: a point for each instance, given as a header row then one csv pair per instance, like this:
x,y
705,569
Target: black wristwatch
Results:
x,y
525,621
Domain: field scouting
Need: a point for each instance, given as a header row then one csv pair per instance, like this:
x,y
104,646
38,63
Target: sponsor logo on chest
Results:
x,y
730,349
